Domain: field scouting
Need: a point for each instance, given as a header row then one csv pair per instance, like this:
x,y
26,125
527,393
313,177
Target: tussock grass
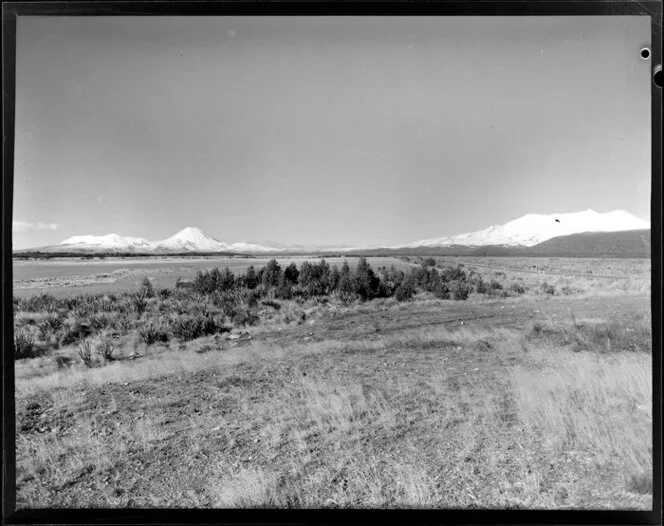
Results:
x,y
591,406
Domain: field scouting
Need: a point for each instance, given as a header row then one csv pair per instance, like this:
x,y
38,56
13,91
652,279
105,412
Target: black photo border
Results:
x,y
10,13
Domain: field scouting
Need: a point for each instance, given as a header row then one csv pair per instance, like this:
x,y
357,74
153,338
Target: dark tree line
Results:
x,y
362,282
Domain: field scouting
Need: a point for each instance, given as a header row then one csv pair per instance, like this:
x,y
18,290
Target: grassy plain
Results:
x,y
535,401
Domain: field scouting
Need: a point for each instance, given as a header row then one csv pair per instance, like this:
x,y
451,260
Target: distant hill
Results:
x,y
629,244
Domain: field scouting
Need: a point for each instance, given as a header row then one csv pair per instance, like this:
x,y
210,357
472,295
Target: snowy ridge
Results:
x,y
110,241
189,239
532,229
525,231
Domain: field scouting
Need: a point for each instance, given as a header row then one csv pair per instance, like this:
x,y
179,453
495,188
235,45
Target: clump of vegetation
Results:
x,y
75,332
85,352
24,345
150,334
191,327
517,289
106,349
147,290
547,289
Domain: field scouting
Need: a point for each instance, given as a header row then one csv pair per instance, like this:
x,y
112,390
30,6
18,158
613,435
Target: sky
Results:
x,y
325,130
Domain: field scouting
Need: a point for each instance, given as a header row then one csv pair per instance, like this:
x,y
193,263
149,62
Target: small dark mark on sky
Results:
x,y
557,220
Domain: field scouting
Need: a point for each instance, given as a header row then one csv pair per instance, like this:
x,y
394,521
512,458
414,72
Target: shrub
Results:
x,y
273,304
41,302
85,352
405,291
271,274
106,349
250,278
517,288
284,290
138,303
245,317
291,274
147,290
459,290
227,305
150,334
255,295
50,323
366,282
98,321
346,285
192,327
495,286
62,361
547,289
164,294
455,273
441,290
24,346
481,287
75,332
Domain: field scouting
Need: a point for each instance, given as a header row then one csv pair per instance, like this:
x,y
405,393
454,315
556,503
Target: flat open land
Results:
x,y
542,400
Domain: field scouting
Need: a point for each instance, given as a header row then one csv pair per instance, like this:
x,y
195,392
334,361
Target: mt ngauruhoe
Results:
x,y
527,231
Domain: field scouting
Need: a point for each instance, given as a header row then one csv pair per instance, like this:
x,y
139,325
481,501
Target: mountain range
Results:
x,y
526,232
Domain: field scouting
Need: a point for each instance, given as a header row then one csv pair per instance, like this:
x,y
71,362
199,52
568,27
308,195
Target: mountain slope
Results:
x,y
533,229
632,243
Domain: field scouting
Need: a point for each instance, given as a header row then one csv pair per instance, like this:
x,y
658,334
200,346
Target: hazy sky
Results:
x,y
325,130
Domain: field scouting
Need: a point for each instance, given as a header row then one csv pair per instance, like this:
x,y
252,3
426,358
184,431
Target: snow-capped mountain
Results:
x,y
532,229
190,239
109,241
526,231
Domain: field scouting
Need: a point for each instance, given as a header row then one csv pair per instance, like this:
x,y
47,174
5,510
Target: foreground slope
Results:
x,y
431,403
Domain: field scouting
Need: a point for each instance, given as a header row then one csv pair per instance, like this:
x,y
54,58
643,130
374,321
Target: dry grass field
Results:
x,y
540,399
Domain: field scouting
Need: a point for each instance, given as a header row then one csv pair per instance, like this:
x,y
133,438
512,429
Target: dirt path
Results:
x,y
453,314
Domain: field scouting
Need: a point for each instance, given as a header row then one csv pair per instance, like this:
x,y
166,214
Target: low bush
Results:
x,y
272,304
24,346
150,334
517,289
106,349
85,352
245,317
147,290
405,291
191,327
63,361
547,289
75,332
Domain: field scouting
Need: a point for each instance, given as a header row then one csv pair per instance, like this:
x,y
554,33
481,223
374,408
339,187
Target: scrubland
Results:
x,y
472,389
